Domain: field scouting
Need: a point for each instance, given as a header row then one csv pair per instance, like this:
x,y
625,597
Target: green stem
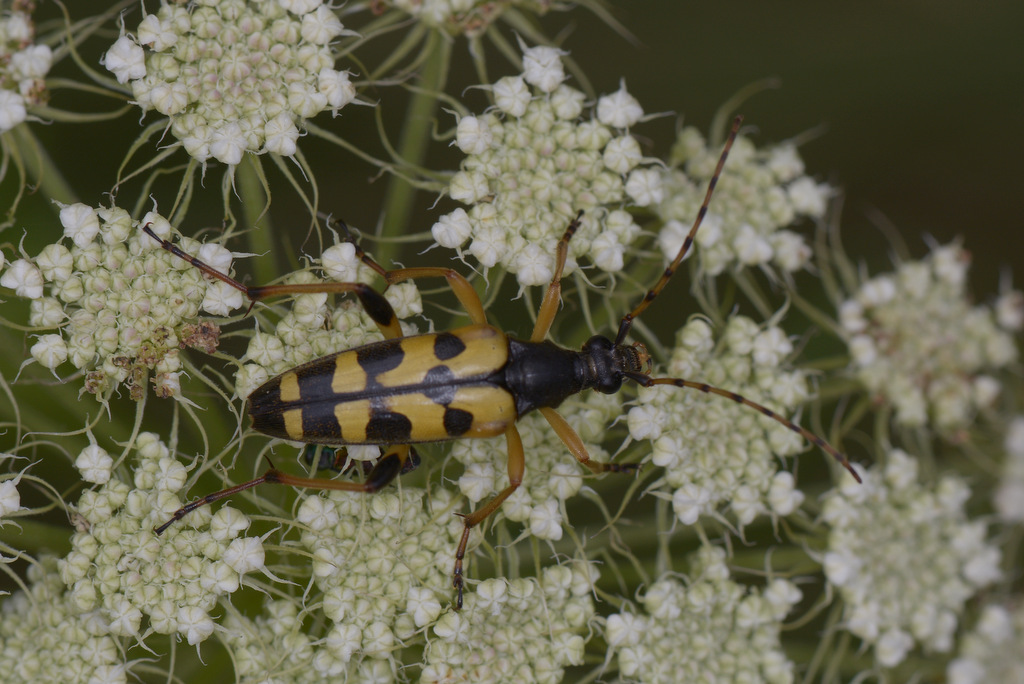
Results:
x,y
260,240
41,170
416,135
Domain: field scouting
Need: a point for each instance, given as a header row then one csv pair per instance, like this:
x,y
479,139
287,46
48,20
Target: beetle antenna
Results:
x,y
814,439
627,320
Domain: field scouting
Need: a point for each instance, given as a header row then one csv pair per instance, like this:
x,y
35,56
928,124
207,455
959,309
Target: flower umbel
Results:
x,y
383,563
523,630
23,66
119,567
919,344
123,307
533,162
48,637
991,652
760,194
715,452
709,624
234,76
905,557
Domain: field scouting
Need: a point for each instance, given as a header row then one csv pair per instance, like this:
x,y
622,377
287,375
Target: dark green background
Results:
x,y
923,103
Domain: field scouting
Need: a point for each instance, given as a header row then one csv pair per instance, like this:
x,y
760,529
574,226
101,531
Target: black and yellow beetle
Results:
x,y
470,382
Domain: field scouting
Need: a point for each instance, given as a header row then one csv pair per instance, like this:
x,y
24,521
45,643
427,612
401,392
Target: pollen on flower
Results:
x,y
905,558
121,304
234,77
534,161
716,453
759,195
680,634
919,343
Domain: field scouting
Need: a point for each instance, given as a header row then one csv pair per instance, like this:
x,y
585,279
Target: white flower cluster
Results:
x,y
1009,495
905,557
919,344
716,452
122,303
119,568
512,631
707,629
993,652
46,637
469,17
23,66
384,564
759,194
311,329
10,497
234,76
278,646
532,163
552,474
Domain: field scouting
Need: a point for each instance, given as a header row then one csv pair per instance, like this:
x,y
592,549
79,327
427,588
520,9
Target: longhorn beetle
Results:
x,y
470,382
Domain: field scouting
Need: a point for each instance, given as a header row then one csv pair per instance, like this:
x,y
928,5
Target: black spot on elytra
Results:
x,y
387,427
439,385
380,357
457,422
313,382
448,346
319,424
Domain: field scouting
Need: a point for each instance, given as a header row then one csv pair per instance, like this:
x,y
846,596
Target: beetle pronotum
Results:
x,y
470,382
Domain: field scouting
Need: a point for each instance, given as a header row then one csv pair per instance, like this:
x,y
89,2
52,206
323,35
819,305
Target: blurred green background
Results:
x,y
921,103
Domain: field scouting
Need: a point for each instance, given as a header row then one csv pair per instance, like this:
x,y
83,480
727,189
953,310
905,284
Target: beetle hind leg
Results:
x,y
516,468
387,469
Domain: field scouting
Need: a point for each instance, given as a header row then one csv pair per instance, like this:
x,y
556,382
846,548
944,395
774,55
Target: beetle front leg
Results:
x,y
553,294
516,468
573,442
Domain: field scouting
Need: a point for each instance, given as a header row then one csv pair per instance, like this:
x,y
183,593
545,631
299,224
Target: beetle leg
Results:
x,y
464,292
553,295
373,302
386,470
578,449
516,468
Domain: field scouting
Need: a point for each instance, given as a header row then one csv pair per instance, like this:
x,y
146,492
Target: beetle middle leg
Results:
x,y
463,291
373,302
